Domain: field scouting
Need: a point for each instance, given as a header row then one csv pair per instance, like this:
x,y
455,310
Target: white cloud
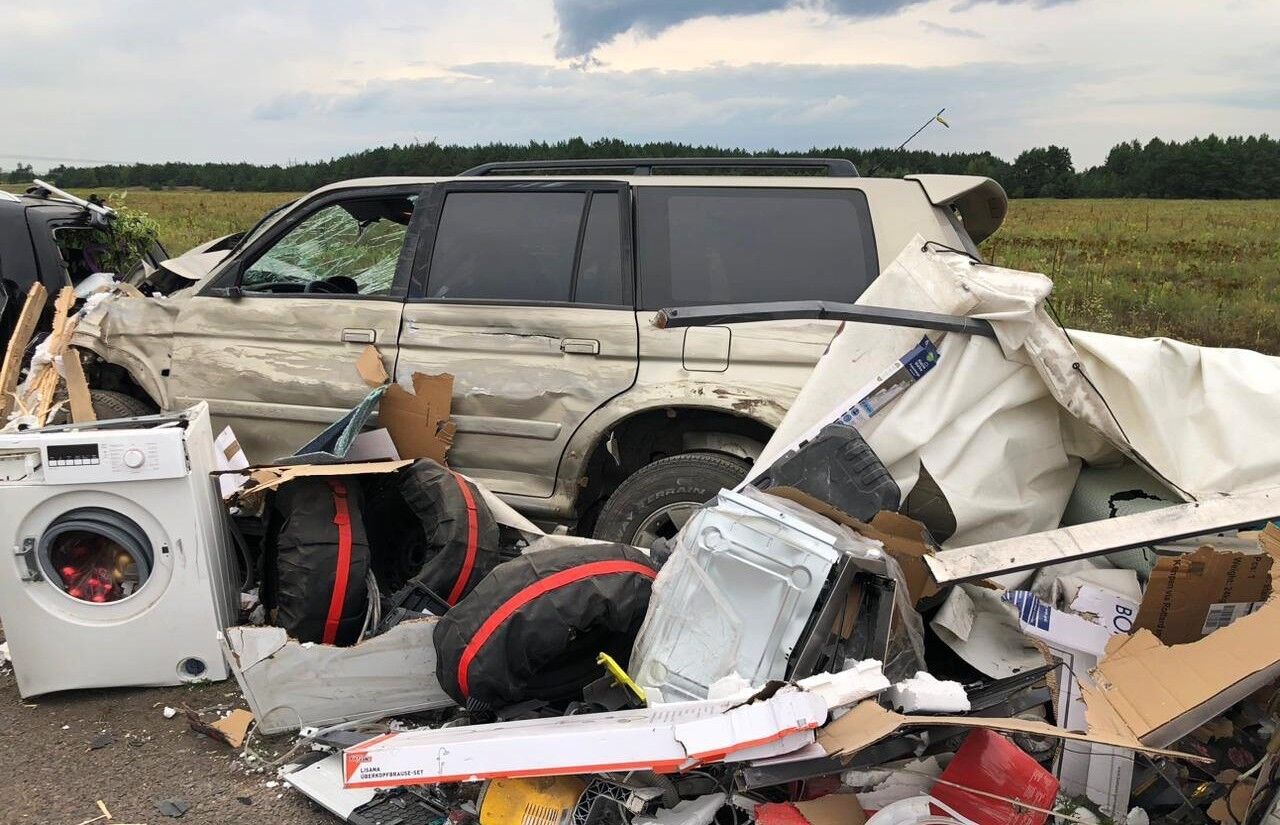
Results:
x,y
300,79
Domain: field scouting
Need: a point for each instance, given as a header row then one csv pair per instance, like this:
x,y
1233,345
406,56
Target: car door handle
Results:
x,y
580,346
353,335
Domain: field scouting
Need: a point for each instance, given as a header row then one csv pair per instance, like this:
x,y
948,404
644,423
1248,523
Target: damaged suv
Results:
x,y
536,285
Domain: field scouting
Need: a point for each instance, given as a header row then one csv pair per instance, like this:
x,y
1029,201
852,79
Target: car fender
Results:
x,y
763,404
136,334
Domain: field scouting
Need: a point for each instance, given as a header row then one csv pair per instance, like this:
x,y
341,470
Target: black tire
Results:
x,y
634,513
108,404
303,560
430,526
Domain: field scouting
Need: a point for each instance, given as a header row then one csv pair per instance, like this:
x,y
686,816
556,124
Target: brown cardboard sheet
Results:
x,y
265,478
418,421
1158,693
1190,596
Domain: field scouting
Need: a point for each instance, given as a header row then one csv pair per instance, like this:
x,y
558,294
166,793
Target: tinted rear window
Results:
x,y
515,246
739,245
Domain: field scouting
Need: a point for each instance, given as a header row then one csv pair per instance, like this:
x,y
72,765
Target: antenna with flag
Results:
x,y
912,136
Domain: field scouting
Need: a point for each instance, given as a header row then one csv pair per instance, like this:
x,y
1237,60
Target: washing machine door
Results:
x,y
95,555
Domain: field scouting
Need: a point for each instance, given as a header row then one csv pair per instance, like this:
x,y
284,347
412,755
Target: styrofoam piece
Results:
x,y
664,738
884,786
853,684
727,687
926,692
736,594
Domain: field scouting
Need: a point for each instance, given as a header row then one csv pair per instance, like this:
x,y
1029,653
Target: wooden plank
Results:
x,y
22,332
1181,521
77,387
46,386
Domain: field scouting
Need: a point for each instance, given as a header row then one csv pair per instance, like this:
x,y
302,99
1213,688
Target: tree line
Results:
x,y
1209,167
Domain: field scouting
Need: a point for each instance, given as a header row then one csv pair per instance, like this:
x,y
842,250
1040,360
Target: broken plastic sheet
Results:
x,y
982,427
740,587
1001,429
984,631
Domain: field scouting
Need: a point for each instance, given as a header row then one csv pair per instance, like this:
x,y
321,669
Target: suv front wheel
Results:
x,y
656,500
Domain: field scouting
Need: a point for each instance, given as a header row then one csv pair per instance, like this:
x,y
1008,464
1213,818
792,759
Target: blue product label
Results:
x,y
921,359
1031,610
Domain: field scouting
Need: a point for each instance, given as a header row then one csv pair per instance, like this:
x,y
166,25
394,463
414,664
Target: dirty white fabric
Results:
x,y
984,426
1002,429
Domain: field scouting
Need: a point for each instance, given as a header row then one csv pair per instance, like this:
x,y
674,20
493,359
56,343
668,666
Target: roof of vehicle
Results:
x,y
806,181
981,201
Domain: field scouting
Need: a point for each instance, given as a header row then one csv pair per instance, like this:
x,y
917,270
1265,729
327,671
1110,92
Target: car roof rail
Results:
x,y
834,167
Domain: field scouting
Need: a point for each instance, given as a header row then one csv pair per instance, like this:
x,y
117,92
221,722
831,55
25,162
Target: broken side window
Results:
x,y
346,248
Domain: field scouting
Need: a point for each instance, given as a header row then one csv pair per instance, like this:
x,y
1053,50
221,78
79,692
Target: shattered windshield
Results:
x,y
349,247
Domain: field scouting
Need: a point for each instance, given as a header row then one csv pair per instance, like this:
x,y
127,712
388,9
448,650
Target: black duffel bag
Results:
x,y
532,629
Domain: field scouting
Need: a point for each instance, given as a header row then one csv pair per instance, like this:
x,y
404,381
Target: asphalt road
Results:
x,y
50,774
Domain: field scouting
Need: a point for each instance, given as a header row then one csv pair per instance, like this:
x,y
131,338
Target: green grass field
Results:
x,y
1202,271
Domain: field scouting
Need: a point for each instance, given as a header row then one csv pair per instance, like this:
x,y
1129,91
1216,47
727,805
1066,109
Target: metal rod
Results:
x,y
699,316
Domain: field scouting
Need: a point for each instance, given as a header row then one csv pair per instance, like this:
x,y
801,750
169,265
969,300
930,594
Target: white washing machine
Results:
x,y
120,571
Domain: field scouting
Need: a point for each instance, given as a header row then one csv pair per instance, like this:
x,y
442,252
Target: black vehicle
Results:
x,y
49,236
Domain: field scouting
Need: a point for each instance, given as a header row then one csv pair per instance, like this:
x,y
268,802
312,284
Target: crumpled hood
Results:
x,y
194,266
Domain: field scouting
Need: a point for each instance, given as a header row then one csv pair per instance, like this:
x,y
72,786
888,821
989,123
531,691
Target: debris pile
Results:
x,y
918,608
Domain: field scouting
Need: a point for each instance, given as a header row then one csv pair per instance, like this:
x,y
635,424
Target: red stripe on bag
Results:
x,y
342,518
473,537
533,591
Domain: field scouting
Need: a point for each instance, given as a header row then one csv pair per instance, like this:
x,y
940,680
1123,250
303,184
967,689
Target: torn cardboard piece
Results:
x,y
231,730
868,723
664,738
1199,518
290,685
1158,693
264,478
1188,597
832,809
371,369
418,421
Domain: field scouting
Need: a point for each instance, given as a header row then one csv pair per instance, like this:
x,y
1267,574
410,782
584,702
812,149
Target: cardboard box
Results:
x,y
1101,773
1188,597
1158,693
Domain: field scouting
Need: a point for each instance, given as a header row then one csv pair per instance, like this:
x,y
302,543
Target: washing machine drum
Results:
x,y
95,555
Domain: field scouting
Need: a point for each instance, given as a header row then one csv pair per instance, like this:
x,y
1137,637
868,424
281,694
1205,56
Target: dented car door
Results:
x,y
271,342
523,291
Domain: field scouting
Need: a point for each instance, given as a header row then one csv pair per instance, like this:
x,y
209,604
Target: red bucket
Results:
x,y
991,763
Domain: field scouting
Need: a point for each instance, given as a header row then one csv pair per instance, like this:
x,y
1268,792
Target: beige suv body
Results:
x,y
537,294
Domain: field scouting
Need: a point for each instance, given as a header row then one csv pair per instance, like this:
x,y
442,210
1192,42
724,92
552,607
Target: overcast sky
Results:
x,y
88,80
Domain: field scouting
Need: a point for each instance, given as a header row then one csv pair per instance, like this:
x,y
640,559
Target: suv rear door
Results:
x,y
278,363
523,291
702,244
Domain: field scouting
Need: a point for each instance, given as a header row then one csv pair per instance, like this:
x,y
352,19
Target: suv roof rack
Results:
x,y
834,167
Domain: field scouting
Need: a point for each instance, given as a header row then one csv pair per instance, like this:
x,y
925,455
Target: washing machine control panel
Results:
x,y
132,455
